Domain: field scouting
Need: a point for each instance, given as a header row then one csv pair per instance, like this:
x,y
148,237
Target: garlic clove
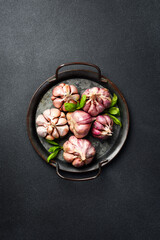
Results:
x,y
66,89
98,125
61,121
63,130
63,115
49,137
73,89
91,151
108,120
54,121
100,107
87,106
92,110
99,100
41,120
81,130
55,133
101,119
107,102
81,117
95,90
62,84
47,114
63,108
58,102
75,97
55,113
96,132
49,130
68,115
42,131
77,163
58,91
69,147
69,157
72,101
74,141
53,97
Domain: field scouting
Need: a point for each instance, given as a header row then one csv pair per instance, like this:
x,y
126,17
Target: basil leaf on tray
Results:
x,y
114,111
71,107
53,155
54,148
114,100
82,102
52,142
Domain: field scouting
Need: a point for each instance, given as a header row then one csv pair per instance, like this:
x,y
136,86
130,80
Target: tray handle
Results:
x,y
79,63
81,179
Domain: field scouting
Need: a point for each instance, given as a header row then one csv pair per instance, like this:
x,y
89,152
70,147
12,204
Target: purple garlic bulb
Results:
x,y
102,127
97,99
79,152
52,124
79,122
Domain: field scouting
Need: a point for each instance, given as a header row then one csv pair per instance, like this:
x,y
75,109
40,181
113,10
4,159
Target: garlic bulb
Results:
x,y
80,123
102,127
52,124
64,93
97,100
79,152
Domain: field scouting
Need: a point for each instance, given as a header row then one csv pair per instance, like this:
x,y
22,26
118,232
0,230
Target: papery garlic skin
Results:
x,y
79,122
52,124
102,127
64,93
97,99
79,152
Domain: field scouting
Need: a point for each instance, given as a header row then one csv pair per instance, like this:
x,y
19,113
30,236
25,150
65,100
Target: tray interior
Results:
x,y
105,149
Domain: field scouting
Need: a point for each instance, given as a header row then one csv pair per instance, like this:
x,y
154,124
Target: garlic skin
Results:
x,y
102,127
80,123
79,152
98,99
64,93
52,124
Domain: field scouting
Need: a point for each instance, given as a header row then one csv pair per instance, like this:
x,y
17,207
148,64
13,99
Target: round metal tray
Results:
x,y
82,79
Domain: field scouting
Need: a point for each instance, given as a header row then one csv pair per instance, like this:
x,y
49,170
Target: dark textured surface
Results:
x,y
122,37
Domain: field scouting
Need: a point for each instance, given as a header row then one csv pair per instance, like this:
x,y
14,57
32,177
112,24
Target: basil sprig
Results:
x,y
53,150
71,107
114,111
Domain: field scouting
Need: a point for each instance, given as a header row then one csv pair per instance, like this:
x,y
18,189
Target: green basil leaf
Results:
x,y
70,107
114,111
52,149
78,104
82,102
115,120
114,100
53,155
52,142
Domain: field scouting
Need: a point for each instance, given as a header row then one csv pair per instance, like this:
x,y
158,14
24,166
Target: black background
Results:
x,y
122,38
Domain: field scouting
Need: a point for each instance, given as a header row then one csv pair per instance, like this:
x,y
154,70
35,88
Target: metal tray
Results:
x,y
106,149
